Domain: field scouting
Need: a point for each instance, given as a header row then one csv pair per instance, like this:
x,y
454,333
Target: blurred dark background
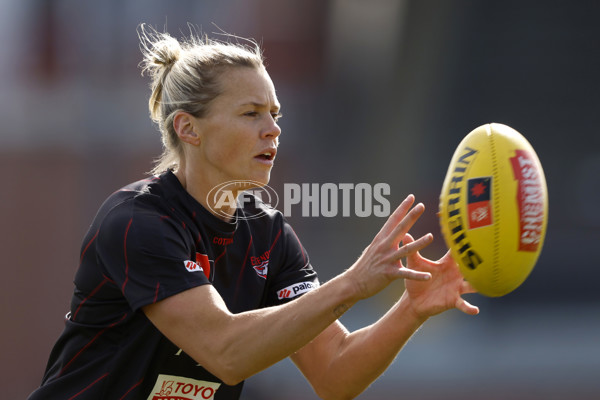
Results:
x,y
372,91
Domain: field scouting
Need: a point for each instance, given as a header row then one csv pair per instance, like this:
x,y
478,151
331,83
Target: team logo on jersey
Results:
x,y
296,290
170,387
261,264
262,269
202,263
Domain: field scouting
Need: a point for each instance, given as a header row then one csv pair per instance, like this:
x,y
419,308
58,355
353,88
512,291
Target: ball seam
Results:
x,y
496,217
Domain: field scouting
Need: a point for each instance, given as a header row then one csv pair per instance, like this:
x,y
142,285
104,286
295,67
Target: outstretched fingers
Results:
x,y
411,247
466,307
394,231
406,224
414,258
406,273
396,218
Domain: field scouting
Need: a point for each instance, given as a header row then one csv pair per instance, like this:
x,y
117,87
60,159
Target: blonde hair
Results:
x,y
185,77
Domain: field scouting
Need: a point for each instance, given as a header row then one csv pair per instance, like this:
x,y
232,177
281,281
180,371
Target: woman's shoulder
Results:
x,y
145,197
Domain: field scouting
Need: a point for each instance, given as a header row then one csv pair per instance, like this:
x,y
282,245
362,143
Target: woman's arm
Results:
x,y
236,346
340,365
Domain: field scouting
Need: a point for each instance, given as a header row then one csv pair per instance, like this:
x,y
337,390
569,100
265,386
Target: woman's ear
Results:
x,y
184,125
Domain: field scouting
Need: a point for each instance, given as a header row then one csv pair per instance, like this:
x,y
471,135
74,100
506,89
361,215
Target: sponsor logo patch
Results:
x,y
530,198
478,202
296,290
192,266
202,263
170,387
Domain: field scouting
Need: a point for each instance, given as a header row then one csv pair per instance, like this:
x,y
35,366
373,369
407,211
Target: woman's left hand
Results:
x,y
440,293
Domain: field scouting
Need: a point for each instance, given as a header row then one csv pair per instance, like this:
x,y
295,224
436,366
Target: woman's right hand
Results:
x,y
381,262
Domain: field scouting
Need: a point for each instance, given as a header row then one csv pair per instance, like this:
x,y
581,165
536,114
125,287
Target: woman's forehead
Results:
x,y
250,86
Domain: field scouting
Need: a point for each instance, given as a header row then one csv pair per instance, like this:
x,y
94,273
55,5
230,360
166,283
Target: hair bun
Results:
x,y
160,50
166,51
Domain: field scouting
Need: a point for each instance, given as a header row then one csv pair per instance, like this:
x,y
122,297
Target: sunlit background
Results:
x,y
373,91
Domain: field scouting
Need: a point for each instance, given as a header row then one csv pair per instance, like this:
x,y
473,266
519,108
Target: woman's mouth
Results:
x,y
267,156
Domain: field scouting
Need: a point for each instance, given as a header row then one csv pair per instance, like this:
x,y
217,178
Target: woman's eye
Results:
x,y
254,114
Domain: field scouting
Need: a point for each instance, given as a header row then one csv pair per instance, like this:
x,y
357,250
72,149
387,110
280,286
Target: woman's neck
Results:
x,y
221,203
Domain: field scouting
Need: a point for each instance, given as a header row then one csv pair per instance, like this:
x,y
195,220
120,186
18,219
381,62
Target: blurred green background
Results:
x,y
372,91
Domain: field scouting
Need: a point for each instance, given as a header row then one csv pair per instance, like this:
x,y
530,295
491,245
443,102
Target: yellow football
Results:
x,y
494,208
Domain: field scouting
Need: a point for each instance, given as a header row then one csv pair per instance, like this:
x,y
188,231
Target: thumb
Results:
x,y
407,239
411,258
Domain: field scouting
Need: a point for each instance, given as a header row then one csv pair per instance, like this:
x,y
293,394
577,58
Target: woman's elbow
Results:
x,y
230,378
226,366
331,391
227,371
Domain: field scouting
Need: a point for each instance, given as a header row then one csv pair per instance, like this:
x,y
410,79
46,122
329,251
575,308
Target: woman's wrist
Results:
x,y
409,311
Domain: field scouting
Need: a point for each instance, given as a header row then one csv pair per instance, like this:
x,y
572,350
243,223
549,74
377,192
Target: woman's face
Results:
x,y
239,134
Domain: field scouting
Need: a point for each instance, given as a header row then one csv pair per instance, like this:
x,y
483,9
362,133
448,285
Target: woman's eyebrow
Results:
x,y
260,105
